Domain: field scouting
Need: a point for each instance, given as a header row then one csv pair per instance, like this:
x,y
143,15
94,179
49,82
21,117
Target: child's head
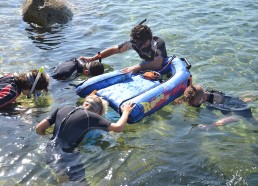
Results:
x,y
193,95
141,33
95,104
26,80
93,68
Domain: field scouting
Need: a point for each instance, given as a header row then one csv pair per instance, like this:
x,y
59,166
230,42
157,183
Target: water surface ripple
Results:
x,y
219,38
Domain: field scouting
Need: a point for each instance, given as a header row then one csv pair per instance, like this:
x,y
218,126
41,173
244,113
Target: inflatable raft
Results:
x,y
148,95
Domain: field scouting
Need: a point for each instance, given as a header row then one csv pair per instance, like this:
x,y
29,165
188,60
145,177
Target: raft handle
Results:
x,y
187,63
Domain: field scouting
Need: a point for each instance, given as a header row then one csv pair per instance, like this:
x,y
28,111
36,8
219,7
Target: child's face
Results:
x,y
86,72
86,69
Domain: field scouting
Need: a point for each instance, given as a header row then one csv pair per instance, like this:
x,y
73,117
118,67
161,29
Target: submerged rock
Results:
x,y
46,12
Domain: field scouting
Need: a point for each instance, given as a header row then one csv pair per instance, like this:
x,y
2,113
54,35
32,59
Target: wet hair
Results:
x,y
192,93
23,82
95,68
97,104
141,33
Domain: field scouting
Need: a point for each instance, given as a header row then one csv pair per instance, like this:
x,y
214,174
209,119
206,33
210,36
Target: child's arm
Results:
x,y
42,126
227,120
120,124
221,122
250,99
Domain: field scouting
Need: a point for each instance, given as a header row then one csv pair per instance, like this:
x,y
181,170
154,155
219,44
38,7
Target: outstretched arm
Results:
x,y
120,124
250,99
221,122
42,126
227,120
105,53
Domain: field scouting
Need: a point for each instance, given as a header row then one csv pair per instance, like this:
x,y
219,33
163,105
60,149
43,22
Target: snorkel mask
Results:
x,y
34,83
137,44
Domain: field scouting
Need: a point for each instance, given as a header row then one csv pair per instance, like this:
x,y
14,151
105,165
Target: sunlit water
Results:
x,y
219,38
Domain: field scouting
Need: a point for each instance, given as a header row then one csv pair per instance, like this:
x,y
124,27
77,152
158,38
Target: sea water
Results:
x,y
219,39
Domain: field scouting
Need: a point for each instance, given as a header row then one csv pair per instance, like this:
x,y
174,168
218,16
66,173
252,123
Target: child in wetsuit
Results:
x,y
71,124
195,95
12,85
74,67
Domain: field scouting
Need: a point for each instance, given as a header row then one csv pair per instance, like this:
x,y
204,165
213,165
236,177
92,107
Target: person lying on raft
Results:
x,y
195,95
151,49
69,70
12,85
72,124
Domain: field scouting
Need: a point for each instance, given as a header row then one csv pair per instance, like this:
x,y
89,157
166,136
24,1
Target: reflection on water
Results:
x,y
46,38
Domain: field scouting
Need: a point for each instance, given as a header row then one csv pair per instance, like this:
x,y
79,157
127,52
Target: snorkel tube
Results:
x,y
41,69
142,22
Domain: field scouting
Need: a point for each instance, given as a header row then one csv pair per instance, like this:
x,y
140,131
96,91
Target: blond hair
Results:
x,y
97,104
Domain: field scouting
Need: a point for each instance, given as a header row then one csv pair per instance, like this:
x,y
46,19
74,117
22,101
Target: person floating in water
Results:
x,y
70,126
30,83
195,95
69,70
151,49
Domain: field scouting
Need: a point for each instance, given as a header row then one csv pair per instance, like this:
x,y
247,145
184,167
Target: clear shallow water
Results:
x,y
219,38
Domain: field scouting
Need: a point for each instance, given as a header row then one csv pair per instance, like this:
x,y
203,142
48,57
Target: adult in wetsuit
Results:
x,y
69,70
12,85
150,48
71,125
195,95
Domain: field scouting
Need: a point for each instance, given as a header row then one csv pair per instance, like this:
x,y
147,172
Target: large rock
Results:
x,y
46,12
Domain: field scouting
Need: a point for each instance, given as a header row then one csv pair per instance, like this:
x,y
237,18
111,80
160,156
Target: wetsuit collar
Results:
x,y
210,98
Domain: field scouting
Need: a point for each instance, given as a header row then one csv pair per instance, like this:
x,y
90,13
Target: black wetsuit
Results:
x,y
156,48
71,125
228,104
68,70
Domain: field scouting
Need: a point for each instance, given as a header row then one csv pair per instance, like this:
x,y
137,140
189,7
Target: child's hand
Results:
x,y
132,69
128,107
87,59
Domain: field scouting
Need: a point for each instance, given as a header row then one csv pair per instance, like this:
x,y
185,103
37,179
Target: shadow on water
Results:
x,y
46,38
